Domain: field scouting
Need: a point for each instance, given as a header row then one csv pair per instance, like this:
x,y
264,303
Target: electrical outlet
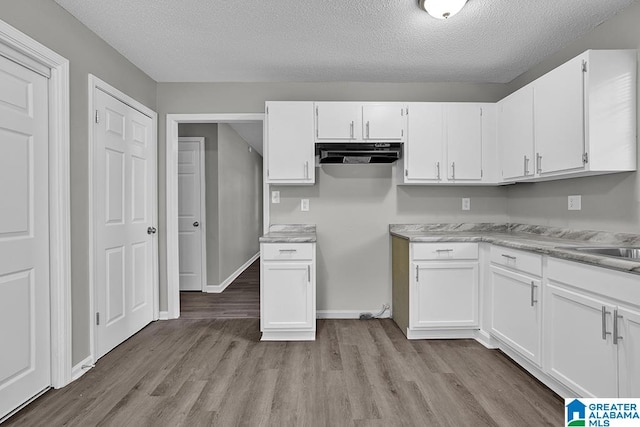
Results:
x,y
275,197
466,204
574,203
304,205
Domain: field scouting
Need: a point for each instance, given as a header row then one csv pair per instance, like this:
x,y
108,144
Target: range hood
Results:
x,y
358,153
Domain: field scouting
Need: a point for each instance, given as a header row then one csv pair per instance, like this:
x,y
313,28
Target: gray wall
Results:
x,y
52,26
240,201
610,202
210,133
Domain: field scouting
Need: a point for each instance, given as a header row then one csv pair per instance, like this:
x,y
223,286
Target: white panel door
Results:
x,y
629,352
287,296
425,141
464,142
25,367
515,134
444,295
383,121
125,171
190,204
340,121
559,118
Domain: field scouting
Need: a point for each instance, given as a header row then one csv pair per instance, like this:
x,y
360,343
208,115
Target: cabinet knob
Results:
x,y
196,224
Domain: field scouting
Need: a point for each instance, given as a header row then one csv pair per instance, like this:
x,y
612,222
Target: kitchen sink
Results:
x,y
627,253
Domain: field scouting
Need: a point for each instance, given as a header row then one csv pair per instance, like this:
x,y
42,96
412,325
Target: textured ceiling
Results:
x,y
337,40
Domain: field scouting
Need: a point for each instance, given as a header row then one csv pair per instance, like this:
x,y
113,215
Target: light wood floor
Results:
x,y
240,300
357,373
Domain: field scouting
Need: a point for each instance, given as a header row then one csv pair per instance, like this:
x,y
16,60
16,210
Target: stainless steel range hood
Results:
x,y
358,153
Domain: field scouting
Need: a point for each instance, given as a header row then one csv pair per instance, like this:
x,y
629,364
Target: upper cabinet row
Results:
x,y
577,120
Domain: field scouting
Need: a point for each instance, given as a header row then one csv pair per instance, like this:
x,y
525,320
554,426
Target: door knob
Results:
x,y
151,230
196,224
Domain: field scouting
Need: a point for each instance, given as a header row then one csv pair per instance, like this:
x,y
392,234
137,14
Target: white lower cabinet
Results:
x,y
287,292
592,330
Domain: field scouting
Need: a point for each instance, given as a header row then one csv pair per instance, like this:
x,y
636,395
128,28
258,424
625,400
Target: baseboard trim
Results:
x,y
216,289
81,368
163,315
348,314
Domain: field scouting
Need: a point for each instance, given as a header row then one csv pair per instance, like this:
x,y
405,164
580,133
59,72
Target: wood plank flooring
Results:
x,y
357,373
240,300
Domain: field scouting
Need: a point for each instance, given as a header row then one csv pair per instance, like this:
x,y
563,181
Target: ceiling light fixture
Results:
x,y
442,9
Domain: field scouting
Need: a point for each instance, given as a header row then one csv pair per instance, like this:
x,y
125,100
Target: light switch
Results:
x,y
275,197
575,203
466,204
304,205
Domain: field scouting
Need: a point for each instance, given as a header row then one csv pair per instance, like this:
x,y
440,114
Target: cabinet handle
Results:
x,y
288,250
309,273
351,127
604,323
367,129
509,257
533,290
417,273
444,250
306,170
526,165
438,170
616,337
538,163
453,170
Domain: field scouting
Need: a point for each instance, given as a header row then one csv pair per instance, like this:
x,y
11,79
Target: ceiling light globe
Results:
x,y
442,9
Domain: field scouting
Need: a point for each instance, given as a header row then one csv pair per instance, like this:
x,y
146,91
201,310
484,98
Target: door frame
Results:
x,y
97,84
171,195
203,207
24,50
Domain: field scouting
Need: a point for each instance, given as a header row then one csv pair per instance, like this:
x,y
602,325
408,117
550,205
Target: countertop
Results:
x,y
538,239
290,233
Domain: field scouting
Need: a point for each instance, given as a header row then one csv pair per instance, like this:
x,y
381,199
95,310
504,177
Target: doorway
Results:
x,y
228,270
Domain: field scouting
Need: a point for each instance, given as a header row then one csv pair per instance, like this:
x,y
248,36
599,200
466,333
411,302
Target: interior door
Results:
x,y
124,213
190,203
25,354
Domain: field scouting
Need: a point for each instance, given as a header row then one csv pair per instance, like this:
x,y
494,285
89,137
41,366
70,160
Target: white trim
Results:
x,y
203,208
288,336
226,282
81,368
349,314
59,196
164,315
94,83
171,189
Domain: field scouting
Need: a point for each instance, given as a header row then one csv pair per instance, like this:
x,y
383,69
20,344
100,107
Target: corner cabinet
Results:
x,y
435,289
287,291
449,143
355,121
289,153
515,135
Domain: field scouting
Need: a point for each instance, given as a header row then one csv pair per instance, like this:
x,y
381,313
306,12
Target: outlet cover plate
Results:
x,y
275,197
574,203
304,205
466,204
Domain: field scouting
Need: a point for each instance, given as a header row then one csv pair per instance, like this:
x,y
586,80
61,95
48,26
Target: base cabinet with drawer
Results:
x,y
516,315
287,292
435,289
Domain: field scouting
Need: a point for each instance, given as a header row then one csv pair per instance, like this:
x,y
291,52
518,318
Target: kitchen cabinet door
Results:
x,y
515,134
516,314
629,351
385,121
444,295
287,296
338,121
559,118
464,142
425,142
579,346
289,149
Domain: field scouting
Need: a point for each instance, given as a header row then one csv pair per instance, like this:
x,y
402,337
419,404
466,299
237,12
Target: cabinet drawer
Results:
x,y
518,260
445,250
287,251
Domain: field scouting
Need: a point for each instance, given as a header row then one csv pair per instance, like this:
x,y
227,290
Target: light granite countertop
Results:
x,y
290,233
540,239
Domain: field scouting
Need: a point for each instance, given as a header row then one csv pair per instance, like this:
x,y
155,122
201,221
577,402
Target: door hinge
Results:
x,y
97,116
407,111
481,173
267,109
401,132
584,66
406,172
98,318
316,111
402,112
267,173
585,158
480,111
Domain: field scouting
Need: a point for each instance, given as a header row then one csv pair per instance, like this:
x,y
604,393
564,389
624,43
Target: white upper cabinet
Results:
x,y
289,153
583,121
515,134
449,143
358,122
